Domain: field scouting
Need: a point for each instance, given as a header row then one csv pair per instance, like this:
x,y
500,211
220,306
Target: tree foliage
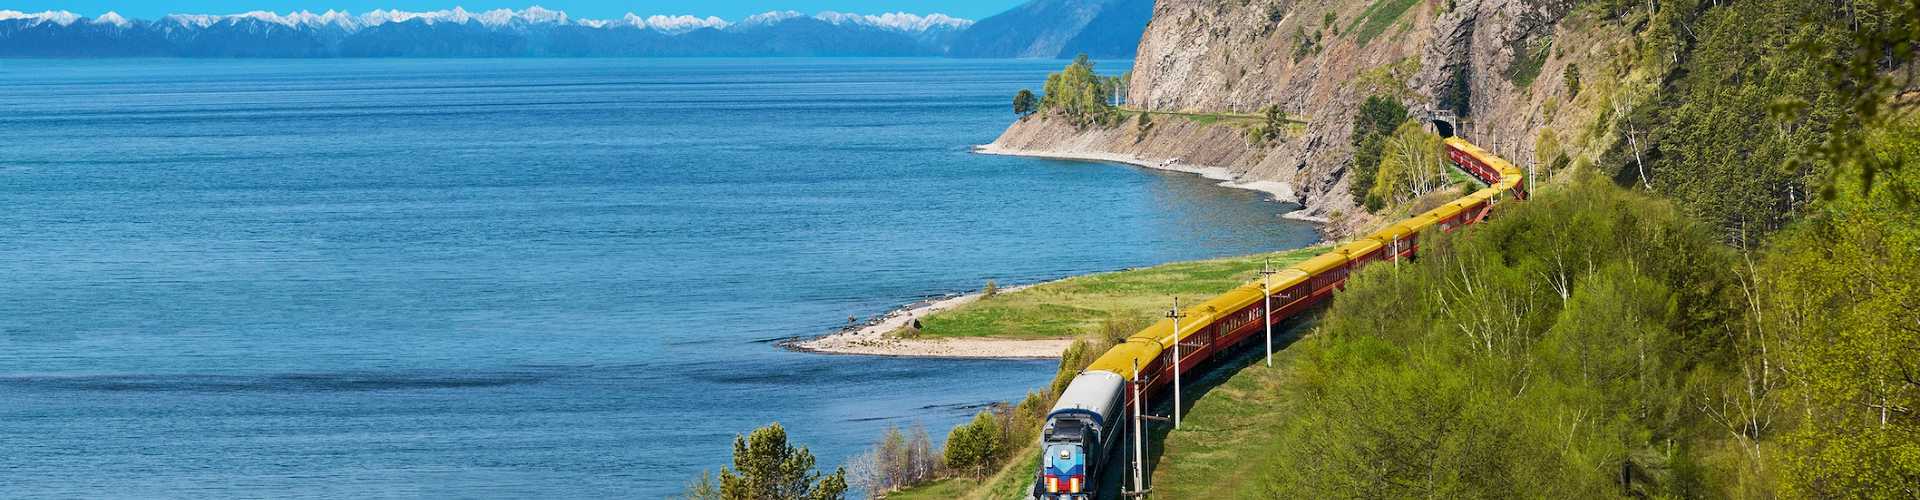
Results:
x,y
1457,95
901,459
1379,116
1079,95
1546,353
1025,104
1719,152
1272,125
1410,165
973,448
1841,292
766,467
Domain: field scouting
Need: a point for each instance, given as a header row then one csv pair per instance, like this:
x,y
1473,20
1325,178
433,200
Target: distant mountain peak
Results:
x,y
59,17
1039,28
508,18
769,17
112,18
682,23
897,21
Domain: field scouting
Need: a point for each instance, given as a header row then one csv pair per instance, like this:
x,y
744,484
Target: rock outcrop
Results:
x,y
1317,60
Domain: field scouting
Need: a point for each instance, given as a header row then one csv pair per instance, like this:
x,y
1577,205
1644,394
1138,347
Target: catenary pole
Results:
x,y
1266,295
1139,433
1175,314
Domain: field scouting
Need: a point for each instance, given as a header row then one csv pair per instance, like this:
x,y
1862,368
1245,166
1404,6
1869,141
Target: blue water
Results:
x,y
515,278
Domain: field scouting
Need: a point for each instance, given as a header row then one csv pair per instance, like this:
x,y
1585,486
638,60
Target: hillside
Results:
x,y
1318,60
1711,294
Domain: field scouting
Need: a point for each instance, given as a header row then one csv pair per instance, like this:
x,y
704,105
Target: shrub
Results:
x,y
972,448
1573,80
902,459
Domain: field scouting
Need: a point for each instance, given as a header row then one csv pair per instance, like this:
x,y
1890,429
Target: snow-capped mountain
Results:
x,y
533,31
1039,28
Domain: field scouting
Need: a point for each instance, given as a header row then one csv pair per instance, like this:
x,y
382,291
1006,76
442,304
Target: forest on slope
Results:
x,y
1725,304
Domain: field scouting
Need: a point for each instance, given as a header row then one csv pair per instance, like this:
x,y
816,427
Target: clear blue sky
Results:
x,y
729,9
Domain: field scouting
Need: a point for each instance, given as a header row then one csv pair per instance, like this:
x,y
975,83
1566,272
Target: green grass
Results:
x,y
1012,481
1377,18
1204,119
1080,304
1221,447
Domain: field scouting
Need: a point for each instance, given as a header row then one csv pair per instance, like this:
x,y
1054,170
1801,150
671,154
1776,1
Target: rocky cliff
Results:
x,y
1503,62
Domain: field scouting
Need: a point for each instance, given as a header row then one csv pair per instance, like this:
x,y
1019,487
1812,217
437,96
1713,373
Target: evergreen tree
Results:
x,y
1024,103
766,467
1378,117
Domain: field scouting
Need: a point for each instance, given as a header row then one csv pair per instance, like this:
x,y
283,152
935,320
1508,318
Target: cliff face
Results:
x,y
1317,60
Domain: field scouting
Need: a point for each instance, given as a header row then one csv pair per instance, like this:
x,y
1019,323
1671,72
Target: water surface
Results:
x,y
514,278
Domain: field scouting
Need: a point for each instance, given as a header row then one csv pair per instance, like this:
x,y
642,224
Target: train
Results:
x,y
1086,425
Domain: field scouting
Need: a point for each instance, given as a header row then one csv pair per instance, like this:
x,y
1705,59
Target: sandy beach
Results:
x,y
1277,190
873,337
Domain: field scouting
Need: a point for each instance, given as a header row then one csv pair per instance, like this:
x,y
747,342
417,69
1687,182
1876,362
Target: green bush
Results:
x,y
972,449
1573,80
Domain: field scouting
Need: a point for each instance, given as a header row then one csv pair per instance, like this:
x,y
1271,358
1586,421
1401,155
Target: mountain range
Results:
x,y
1058,29
537,31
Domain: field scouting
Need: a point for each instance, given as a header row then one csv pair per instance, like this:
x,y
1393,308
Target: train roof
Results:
x,y
1093,392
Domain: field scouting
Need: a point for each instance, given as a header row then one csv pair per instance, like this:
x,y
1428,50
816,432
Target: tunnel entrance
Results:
x,y
1444,122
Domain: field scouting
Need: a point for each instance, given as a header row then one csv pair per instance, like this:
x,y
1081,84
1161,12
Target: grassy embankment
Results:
x,y
1080,305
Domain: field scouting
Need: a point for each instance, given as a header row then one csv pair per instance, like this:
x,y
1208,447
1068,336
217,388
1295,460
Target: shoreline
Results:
x,y
1276,190
871,338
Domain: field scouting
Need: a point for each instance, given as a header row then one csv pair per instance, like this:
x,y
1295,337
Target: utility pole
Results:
x,y
1266,311
1139,434
1175,314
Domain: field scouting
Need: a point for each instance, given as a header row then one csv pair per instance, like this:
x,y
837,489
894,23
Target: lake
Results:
x,y
517,278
